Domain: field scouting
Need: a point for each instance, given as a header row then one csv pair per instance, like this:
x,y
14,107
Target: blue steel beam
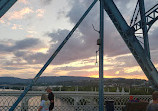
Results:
x,y
151,16
52,57
101,56
135,15
132,42
144,27
5,5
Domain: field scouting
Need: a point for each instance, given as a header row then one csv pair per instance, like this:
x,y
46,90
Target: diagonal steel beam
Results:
x,y
5,5
52,57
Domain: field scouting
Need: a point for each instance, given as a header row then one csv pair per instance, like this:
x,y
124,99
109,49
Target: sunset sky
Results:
x,y
32,30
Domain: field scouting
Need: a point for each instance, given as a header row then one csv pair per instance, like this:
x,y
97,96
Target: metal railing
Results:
x,y
65,101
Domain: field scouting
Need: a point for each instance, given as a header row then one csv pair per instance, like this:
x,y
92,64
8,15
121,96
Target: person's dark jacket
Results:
x,y
51,97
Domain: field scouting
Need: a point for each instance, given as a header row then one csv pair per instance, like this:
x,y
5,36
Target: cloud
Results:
x,y
40,12
2,21
24,52
56,38
71,68
83,43
76,46
113,42
24,1
27,43
20,45
12,68
35,58
46,2
15,26
20,14
14,62
78,73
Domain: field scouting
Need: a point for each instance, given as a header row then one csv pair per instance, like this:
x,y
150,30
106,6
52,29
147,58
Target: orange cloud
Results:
x,y
29,36
31,32
132,69
24,1
20,14
94,76
15,26
40,12
2,21
117,72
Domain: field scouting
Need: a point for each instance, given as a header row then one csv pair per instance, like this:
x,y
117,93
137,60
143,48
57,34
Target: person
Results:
x,y
133,100
151,101
50,97
44,106
154,105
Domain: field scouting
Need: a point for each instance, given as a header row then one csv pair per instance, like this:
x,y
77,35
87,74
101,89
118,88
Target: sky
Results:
x,y
32,30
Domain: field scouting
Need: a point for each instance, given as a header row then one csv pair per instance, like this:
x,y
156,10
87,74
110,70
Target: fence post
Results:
x,y
25,104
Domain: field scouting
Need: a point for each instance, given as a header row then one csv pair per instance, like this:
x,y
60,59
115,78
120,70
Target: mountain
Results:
x,y
72,81
45,79
13,80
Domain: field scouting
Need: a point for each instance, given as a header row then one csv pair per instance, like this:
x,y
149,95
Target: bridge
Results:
x,y
66,100
128,34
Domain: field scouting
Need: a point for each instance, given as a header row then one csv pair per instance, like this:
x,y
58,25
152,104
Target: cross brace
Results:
x,y
151,16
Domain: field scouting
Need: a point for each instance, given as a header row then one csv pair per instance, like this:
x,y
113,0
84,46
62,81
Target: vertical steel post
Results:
x,y
52,57
101,54
144,27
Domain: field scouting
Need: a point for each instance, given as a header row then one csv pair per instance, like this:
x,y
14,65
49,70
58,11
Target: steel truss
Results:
x,y
128,35
141,54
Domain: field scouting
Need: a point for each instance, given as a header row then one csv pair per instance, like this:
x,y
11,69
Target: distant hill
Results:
x,y
13,80
46,79
73,81
58,79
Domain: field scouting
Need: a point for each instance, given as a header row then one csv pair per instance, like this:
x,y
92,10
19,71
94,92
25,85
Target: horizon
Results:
x,y
72,76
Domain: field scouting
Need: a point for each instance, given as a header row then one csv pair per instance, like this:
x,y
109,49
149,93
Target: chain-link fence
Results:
x,y
65,101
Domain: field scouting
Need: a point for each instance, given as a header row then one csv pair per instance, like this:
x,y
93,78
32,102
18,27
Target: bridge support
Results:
x,y
144,27
101,56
